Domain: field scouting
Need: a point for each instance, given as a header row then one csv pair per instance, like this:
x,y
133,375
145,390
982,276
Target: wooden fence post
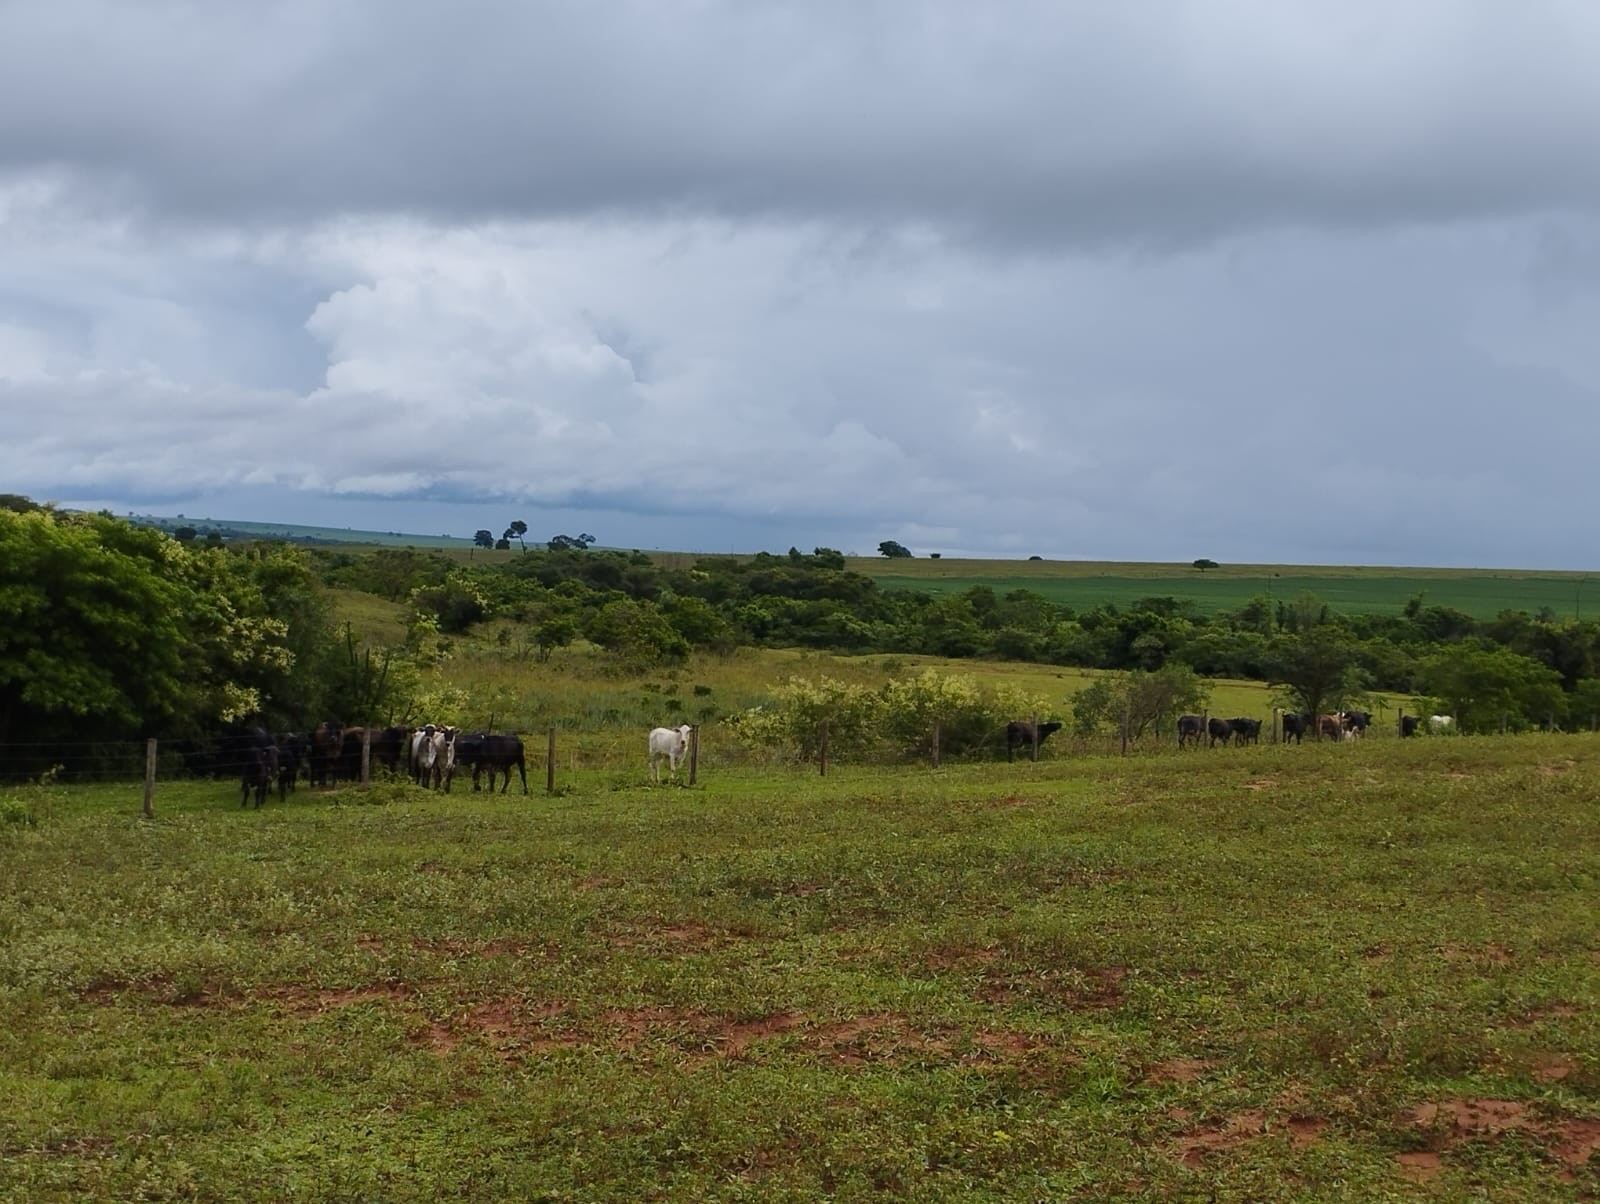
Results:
x,y
550,761
694,753
366,757
1034,752
935,748
150,778
1126,720
822,750
1275,720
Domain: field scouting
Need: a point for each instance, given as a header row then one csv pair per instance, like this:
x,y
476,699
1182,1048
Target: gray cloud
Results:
x,y
1257,282
1080,122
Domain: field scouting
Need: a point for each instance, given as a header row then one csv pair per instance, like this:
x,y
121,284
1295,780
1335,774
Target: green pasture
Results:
x,y
1481,594
1322,973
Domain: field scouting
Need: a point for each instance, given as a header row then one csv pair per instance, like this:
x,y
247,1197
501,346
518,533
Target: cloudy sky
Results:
x,y
1312,282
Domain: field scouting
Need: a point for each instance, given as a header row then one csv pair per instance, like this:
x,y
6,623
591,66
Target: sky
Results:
x,y
1266,282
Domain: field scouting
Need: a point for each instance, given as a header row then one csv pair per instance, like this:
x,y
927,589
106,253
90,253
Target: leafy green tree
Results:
x,y
516,531
1479,683
894,550
483,538
1316,668
184,534
636,632
1203,564
1152,701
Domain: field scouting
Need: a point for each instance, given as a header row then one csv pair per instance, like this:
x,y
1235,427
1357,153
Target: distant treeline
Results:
x,y
114,631
1527,668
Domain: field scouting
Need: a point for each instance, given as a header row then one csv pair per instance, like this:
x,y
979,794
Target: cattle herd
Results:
x,y
429,755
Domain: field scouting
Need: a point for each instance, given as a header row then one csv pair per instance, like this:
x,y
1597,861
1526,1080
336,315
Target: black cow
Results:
x,y
1295,725
1219,729
327,745
260,764
292,751
1020,734
1246,731
391,746
1355,721
1190,727
1408,724
483,750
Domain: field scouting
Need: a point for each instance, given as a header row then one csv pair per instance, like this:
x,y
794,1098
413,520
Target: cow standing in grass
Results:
x,y
669,744
1020,733
1190,729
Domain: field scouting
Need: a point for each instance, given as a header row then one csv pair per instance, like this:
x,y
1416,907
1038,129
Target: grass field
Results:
x,y
1315,973
1082,586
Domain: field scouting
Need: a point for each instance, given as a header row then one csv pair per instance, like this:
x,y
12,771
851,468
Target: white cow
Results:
x,y
669,744
1441,723
433,750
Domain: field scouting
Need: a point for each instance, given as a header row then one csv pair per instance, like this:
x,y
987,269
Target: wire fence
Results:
x,y
559,754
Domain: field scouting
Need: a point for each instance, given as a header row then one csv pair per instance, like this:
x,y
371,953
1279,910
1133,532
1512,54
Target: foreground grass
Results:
x,y
1319,973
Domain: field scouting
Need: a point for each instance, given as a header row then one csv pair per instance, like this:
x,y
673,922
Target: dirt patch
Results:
x,y
1491,954
499,947
960,957
1197,1145
1253,1124
1571,1140
1552,1067
683,938
1088,988
370,944
1419,1165
1261,784
1180,1070
311,1001
1576,1141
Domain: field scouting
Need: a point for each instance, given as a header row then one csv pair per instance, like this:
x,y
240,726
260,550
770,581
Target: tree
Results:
x,y
1315,668
1149,700
185,534
516,531
893,550
1482,683
484,538
503,544
1203,564
570,543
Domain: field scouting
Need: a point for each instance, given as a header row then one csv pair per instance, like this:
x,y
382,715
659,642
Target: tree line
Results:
x,y
113,631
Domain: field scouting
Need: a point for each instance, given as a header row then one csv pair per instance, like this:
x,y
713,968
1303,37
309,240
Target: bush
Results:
x,y
897,718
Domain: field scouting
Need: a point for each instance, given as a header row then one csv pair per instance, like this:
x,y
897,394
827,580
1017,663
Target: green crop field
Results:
x,y
1322,973
1482,593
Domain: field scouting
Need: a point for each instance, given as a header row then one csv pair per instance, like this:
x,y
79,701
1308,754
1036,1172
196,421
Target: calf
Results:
x,y
669,744
1294,726
1020,733
291,755
1441,723
1330,726
260,769
1408,724
1355,721
1190,728
1219,729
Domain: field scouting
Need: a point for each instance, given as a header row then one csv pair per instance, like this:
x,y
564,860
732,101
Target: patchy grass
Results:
x,y
1318,973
